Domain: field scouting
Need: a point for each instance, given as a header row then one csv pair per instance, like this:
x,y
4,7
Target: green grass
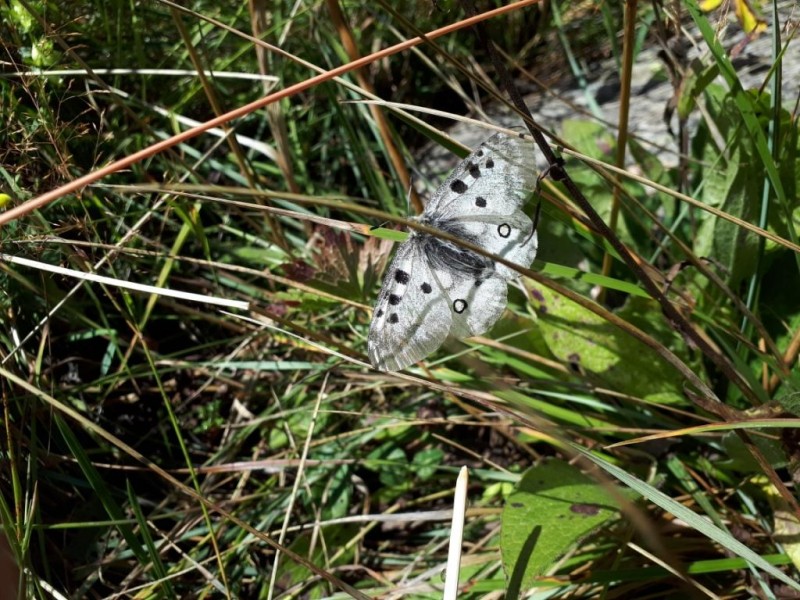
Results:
x,y
156,446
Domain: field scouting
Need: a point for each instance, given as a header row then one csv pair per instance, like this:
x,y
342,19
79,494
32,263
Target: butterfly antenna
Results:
x,y
536,216
408,205
538,186
408,195
535,222
538,212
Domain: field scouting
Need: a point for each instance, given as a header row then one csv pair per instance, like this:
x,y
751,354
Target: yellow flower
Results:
x,y
751,21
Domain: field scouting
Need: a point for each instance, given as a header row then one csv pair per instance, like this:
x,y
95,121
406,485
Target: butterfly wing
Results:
x,y
485,194
511,237
494,179
412,317
475,304
422,302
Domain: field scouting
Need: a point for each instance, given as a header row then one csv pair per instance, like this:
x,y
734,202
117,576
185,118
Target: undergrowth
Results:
x,y
628,431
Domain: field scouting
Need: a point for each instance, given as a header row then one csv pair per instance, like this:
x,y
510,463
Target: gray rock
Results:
x,y
652,90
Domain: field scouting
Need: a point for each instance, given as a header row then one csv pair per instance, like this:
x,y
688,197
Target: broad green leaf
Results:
x,y
553,507
563,414
389,234
339,493
734,186
642,313
748,111
590,138
594,140
602,353
789,395
789,168
427,462
740,457
560,271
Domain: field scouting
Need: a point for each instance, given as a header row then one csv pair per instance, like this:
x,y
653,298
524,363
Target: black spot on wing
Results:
x,y
458,186
393,318
480,202
489,163
401,276
479,153
379,314
426,288
459,305
474,170
394,299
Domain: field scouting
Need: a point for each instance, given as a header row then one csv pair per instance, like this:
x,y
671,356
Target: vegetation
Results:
x,y
628,424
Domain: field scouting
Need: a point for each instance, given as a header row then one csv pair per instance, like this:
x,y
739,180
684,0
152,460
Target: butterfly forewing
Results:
x,y
494,179
411,317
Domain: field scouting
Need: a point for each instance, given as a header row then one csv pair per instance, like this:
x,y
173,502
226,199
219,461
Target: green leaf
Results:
x,y
427,462
594,140
307,544
563,414
100,489
339,492
553,507
602,353
693,86
733,186
590,138
389,234
748,109
159,570
562,272
740,458
789,396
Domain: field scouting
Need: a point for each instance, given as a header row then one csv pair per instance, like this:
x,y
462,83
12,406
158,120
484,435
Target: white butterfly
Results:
x,y
434,287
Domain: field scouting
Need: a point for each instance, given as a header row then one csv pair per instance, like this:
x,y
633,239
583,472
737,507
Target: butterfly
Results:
x,y
435,288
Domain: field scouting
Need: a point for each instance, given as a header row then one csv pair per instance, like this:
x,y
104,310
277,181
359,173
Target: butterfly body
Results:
x,y
445,254
437,288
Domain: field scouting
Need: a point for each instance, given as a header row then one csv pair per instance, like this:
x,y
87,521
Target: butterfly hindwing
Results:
x,y
475,302
511,237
